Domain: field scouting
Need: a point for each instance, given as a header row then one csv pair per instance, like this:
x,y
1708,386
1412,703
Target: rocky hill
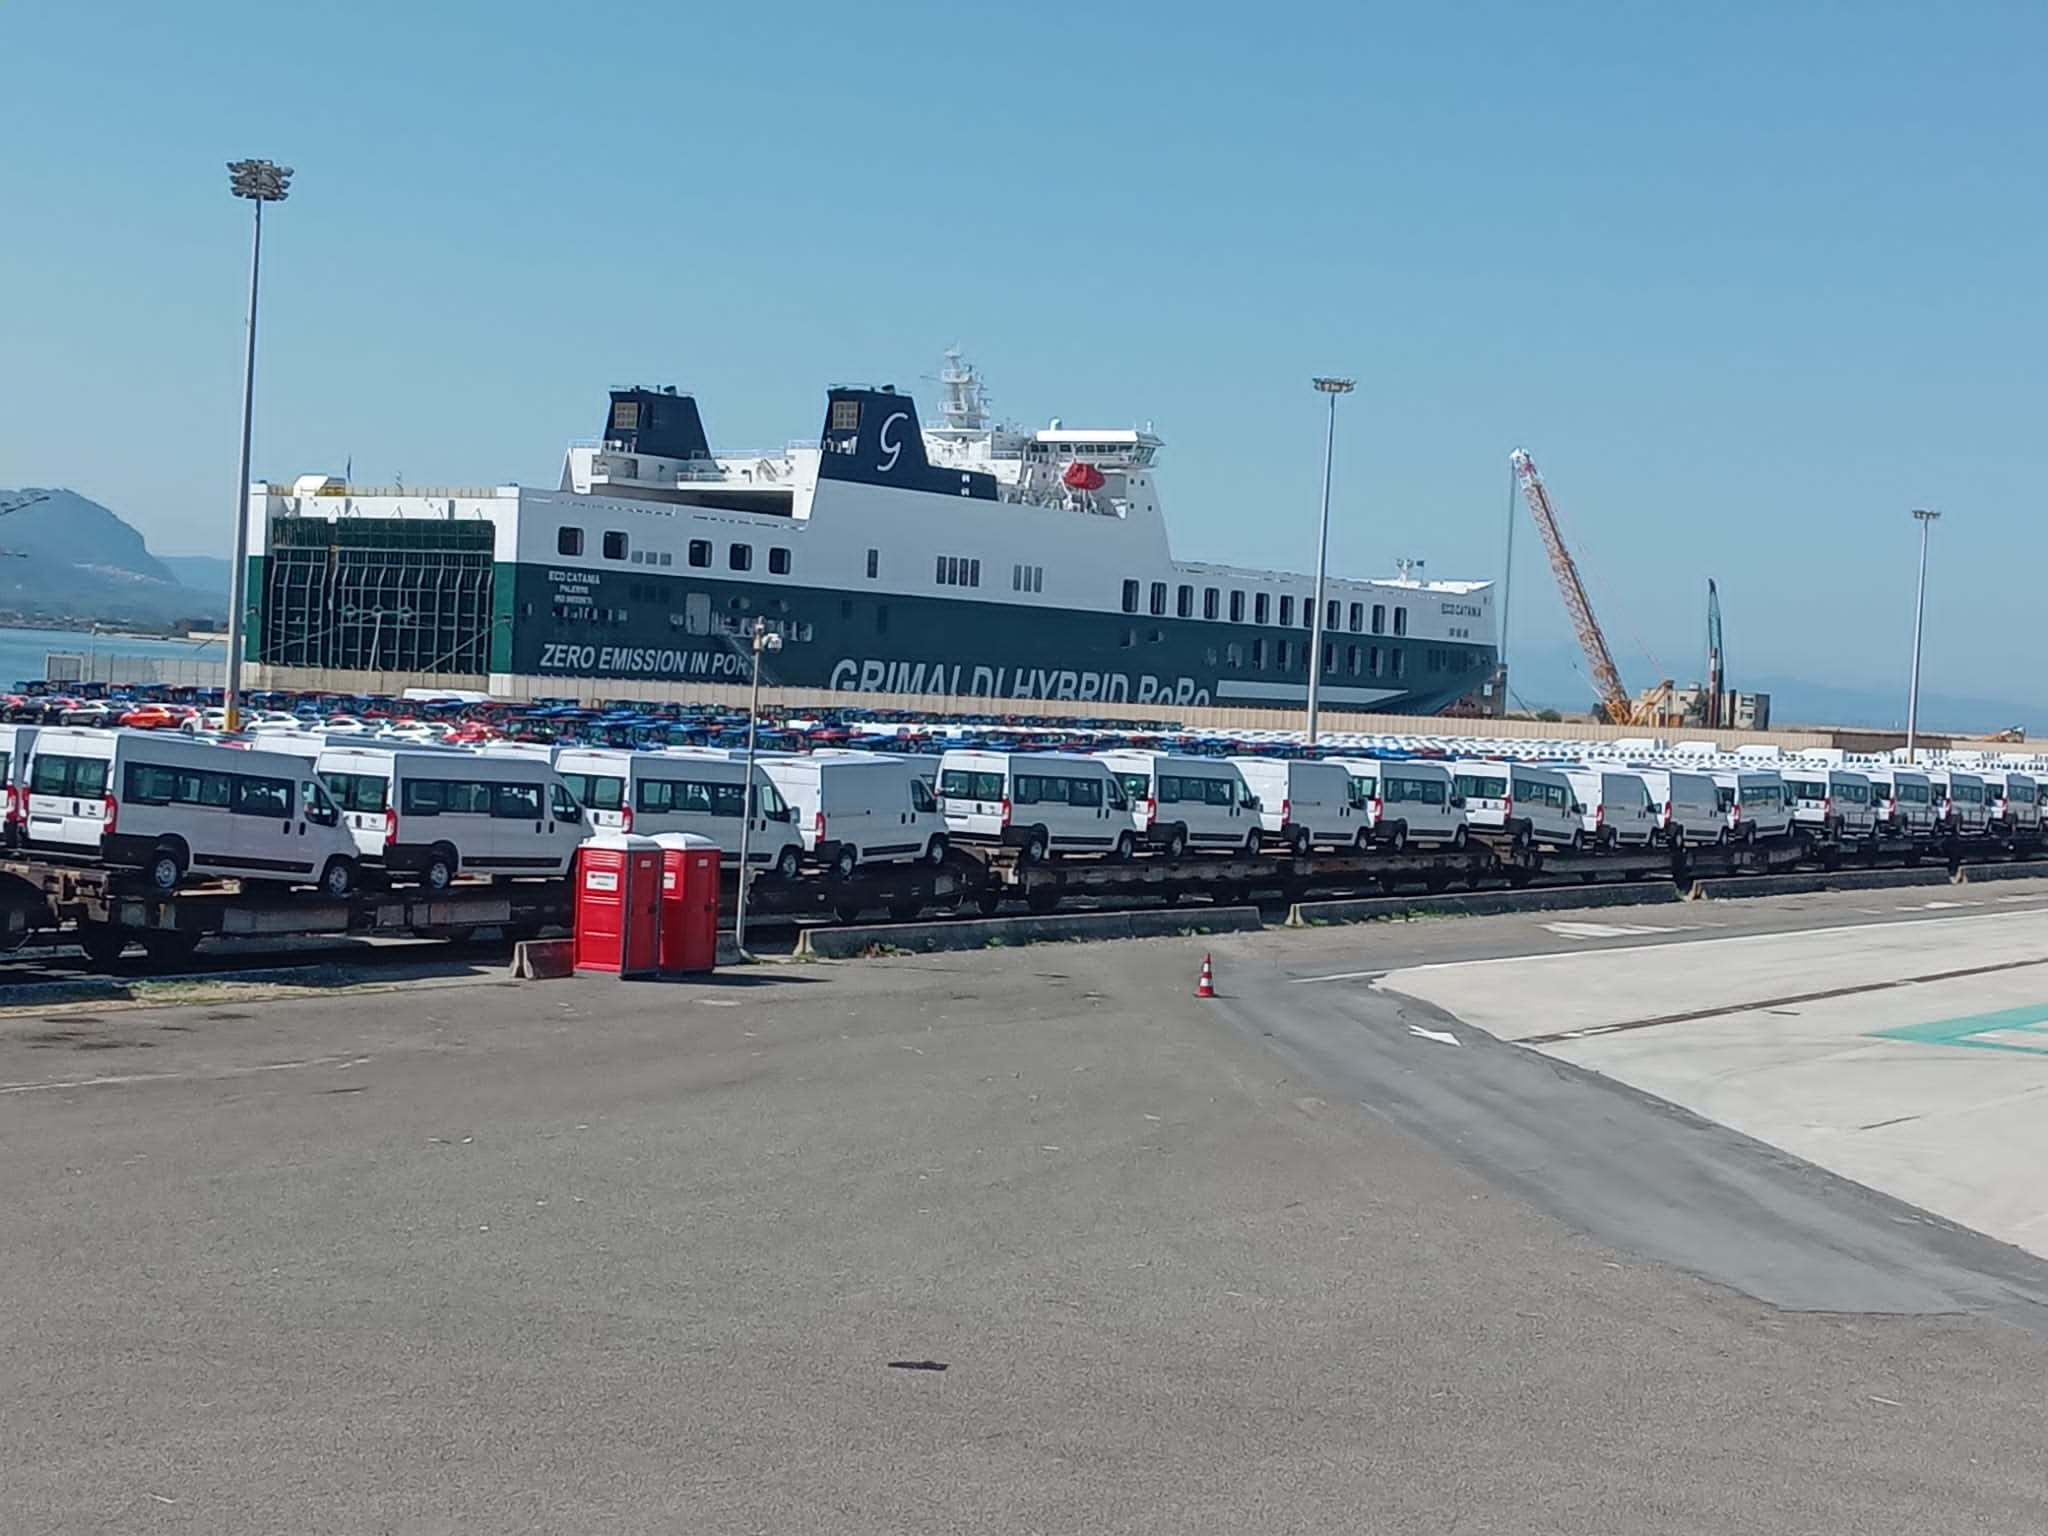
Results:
x,y
68,557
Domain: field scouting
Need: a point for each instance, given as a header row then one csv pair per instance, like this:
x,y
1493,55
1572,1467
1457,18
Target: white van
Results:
x,y
15,742
855,808
1045,803
1902,801
1524,803
163,802
686,789
1417,803
1959,802
435,813
1687,805
1615,809
2012,800
1304,802
1178,803
1753,804
1830,802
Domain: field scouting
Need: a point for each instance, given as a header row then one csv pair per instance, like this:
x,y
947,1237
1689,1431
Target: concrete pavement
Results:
x,y
594,1256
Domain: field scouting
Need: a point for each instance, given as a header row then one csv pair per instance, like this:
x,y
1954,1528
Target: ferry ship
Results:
x,y
961,561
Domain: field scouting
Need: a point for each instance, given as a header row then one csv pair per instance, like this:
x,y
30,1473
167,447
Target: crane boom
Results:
x,y
1614,699
1714,659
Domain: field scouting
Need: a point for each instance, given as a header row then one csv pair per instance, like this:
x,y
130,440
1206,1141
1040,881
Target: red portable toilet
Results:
x,y
618,905
689,902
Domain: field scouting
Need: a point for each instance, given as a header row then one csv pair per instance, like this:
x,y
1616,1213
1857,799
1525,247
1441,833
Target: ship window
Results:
x,y
1357,617
1159,599
1233,654
1329,656
568,541
1130,639
1184,602
1372,660
1400,660
1379,619
1155,637
1286,656
1286,618
625,416
881,618
639,557
1259,654
1400,623
778,561
1211,599
1130,597
1262,609
1330,618
845,415
615,545
1308,613
700,552
740,557
974,573
1237,607
874,563
1351,660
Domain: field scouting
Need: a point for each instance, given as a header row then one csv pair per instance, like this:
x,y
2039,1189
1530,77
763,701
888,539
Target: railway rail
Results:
x,y
105,913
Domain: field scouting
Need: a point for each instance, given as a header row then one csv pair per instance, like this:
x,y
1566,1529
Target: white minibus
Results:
x,y
686,789
1418,802
1178,803
1753,804
1687,804
173,806
1830,802
435,813
1902,800
1044,803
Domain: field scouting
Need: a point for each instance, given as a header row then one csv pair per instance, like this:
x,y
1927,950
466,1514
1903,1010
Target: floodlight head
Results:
x,y
259,181
1335,386
1925,516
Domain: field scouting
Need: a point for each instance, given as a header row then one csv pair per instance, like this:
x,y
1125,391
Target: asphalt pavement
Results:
x,y
598,1256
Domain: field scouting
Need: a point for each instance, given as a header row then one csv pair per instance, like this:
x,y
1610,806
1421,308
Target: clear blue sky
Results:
x,y
1750,280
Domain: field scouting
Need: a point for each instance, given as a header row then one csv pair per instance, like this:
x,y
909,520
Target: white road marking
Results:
x,y
1443,1036
1607,930
1297,981
119,1079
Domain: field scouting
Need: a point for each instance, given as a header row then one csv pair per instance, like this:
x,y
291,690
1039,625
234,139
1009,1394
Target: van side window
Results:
x,y
257,796
1217,792
1086,792
516,802
562,806
422,797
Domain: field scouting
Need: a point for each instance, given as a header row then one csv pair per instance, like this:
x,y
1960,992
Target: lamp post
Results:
x,y
764,639
1333,388
1926,520
260,182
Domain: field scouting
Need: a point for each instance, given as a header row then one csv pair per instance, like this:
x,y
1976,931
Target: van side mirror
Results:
x,y
322,815
1457,802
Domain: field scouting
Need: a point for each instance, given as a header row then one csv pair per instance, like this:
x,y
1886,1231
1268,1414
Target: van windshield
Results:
x,y
1363,788
1725,798
595,791
365,792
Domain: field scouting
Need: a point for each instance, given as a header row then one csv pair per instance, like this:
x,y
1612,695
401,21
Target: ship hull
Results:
x,y
579,624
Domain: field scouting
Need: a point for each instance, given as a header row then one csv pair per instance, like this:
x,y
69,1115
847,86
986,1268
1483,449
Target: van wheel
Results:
x,y
786,864
1460,838
1034,846
1176,844
338,878
1304,842
1721,838
1253,844
1126,846
167,866
935,852
439,872
1525,839
1398,841
844,862
1749,835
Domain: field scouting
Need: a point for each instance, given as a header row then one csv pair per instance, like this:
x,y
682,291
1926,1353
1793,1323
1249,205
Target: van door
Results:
x,y
264,833
67,799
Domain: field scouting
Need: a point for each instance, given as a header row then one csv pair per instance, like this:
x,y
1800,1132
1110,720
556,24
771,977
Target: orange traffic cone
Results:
x,y
1207,986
